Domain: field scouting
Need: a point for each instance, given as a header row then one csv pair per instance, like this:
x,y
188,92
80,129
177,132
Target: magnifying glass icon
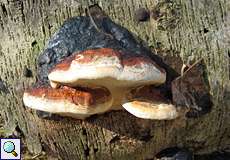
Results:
x,y
9,147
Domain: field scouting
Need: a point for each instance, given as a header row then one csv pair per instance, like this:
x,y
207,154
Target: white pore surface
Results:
x,y
147,110
64,106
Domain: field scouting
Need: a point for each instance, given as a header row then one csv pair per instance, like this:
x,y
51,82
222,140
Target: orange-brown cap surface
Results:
x,y
123,69
149,103
80,102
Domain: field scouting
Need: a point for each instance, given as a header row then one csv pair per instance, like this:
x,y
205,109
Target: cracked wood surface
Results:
x,y
192,28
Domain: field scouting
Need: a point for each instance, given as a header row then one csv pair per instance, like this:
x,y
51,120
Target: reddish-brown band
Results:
x,y
82,96
133,61
89,55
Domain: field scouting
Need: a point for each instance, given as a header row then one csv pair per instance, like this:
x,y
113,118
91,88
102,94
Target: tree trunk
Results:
x,y
197,28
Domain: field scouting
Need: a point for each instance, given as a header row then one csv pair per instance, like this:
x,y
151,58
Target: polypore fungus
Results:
x,y
112,67
94,65
78,103
149,103
116,70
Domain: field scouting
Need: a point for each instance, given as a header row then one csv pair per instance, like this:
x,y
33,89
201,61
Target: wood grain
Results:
x,y
193,28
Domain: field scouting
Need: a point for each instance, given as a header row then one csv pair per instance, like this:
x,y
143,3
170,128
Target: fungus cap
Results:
x,y
148,103
78,103
107,66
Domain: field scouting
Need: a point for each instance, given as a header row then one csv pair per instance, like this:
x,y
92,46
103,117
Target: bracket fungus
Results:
x,y
94,65
149,103
115,70
78,103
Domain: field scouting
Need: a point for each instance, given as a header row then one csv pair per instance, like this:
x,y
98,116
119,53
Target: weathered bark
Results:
x,y
197,28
